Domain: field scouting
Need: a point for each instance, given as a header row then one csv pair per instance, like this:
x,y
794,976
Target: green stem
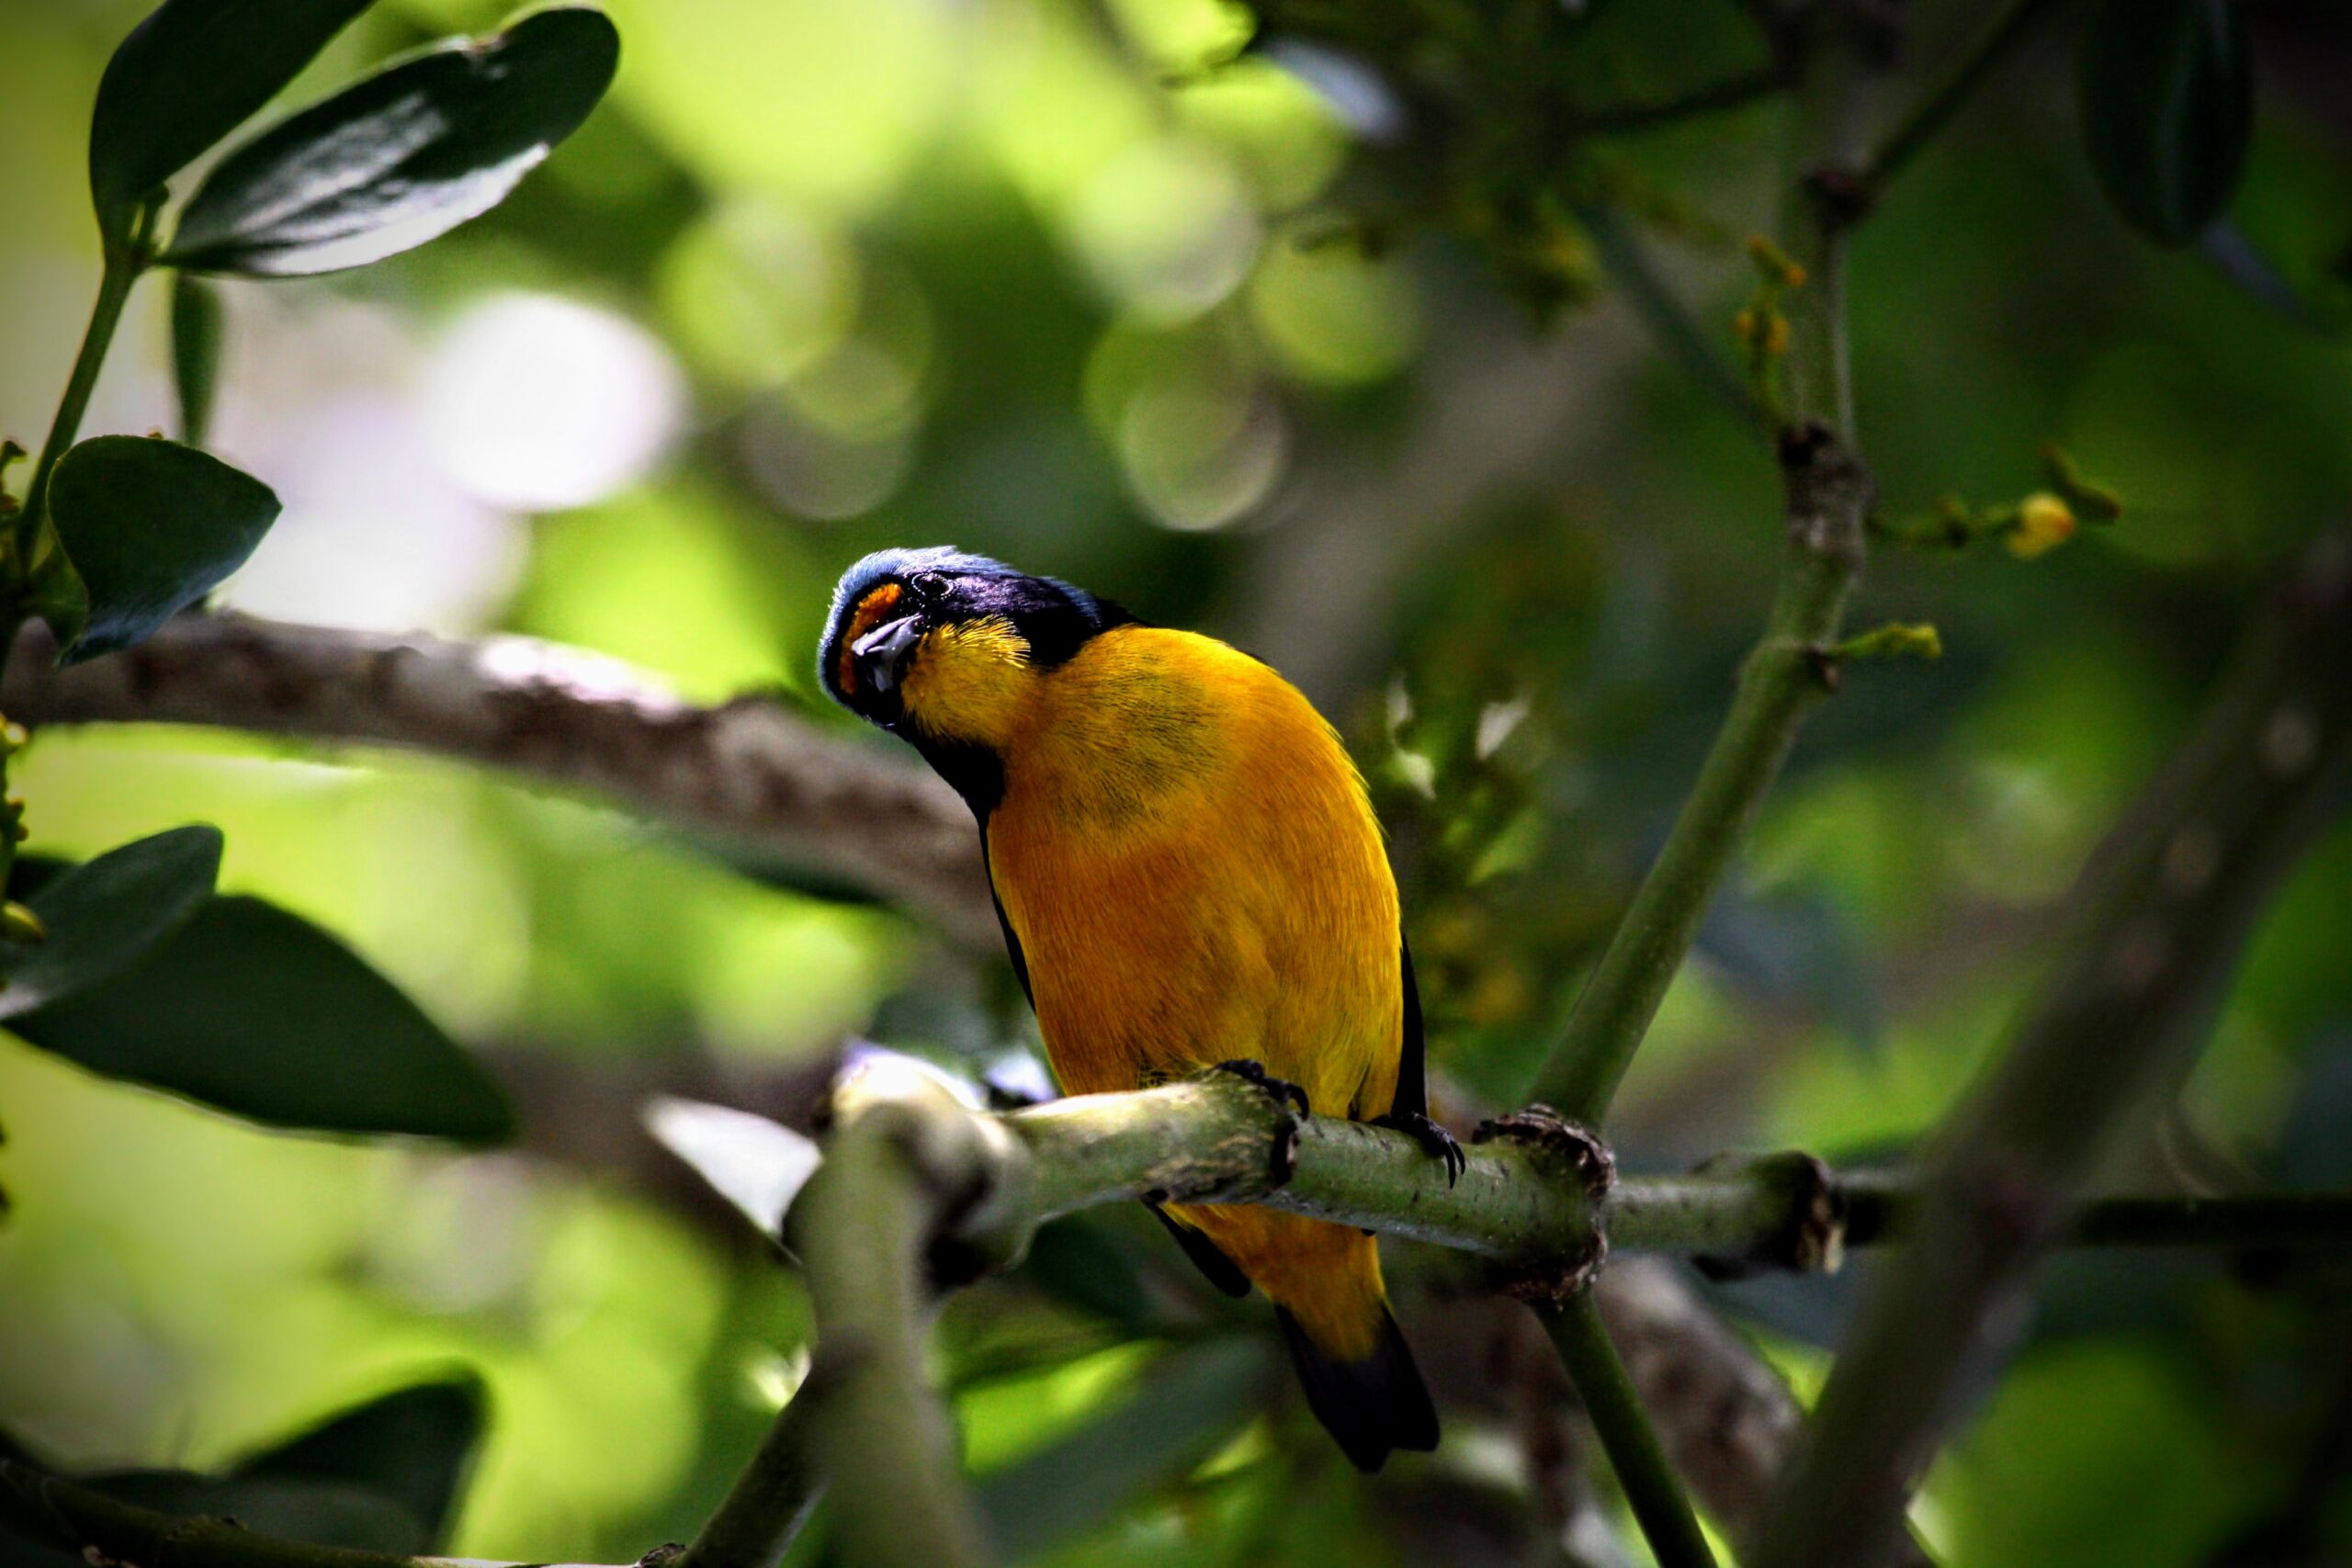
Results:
x,y
1824,201
1777,686
124,262
1660,1503
1928,116
1828,494
770,1501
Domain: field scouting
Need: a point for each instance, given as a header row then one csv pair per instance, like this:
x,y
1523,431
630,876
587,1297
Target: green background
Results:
x,y
1023,277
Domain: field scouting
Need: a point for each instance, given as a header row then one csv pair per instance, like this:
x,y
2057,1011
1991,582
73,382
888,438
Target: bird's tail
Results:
x,y
1371,1403
1324,1280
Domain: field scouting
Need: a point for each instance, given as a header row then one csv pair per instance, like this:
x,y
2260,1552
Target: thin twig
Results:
x,y
1779,686
1880,1207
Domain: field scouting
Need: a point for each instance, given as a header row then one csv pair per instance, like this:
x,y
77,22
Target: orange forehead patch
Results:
x,y
869,613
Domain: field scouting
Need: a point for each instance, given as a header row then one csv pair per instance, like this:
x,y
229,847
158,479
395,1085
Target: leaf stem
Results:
x,y
1655,1491
125,260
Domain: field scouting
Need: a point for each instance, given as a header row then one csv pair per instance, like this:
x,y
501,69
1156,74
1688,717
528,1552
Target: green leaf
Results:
x,y
381,1478
2167,105
196,353
755,1164
259,1013
323,1513
189,74
412,1447
1191,1403
402,157
104,917
152,526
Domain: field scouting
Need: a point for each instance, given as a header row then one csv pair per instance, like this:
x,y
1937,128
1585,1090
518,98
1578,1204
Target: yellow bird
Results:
x,y
1189,875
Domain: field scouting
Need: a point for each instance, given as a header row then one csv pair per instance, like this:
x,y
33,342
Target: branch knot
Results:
x,y
1829,491
1563,1150
1809,1236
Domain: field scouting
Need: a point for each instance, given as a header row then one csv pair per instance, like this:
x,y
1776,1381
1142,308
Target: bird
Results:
x,y
1189,875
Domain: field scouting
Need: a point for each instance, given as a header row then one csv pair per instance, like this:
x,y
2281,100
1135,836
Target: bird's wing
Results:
x,y
1004,923
1412,1096
1207,1256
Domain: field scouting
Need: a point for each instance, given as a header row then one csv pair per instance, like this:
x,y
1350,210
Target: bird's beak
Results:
x,y
881,654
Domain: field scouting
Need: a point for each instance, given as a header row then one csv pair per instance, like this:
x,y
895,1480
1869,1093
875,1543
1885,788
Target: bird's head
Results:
x,y
945,646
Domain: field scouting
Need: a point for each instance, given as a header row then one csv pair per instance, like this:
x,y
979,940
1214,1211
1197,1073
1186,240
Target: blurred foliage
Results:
x,y
1200,310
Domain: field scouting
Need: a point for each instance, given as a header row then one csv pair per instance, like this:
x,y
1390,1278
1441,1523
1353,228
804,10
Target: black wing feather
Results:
x,y
1207,1256
1412,1097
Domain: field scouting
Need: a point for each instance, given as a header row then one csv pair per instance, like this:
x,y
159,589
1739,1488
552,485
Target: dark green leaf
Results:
x,y
189,74
152,526
402,157
381,1478
260,1013
755,1164
105,916
326,1513
1189,1406
196,353
2168,104
412,1447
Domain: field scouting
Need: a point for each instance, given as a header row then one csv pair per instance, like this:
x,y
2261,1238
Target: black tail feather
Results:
x,y
1369,1406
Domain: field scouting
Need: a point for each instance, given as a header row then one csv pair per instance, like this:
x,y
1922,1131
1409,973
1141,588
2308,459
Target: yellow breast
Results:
x,y
1188,859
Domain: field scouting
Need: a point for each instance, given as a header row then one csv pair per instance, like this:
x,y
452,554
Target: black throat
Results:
x,y
972,770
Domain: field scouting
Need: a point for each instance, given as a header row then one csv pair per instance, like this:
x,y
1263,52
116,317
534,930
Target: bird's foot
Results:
x,y
1433,1139
1281,1091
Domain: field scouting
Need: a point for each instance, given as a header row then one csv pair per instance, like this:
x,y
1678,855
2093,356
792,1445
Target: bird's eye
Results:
x,y
929,586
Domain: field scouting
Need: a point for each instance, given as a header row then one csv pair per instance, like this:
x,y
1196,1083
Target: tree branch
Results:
x,y
897,1169
2160,916
919,1189
748,773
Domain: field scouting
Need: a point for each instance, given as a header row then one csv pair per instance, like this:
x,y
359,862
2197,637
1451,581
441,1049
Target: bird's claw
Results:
x,y
1281,1091
1433,1139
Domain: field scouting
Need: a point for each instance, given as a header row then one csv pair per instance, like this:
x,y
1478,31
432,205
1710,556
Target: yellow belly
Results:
x,y
1187,859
